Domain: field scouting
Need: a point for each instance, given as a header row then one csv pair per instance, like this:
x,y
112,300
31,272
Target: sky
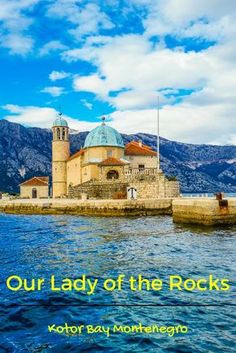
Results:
x,y
115,58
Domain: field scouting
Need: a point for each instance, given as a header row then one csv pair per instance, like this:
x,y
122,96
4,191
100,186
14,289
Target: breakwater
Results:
x,y
204,210
89,207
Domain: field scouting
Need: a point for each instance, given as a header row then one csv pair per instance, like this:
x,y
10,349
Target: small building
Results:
x,y
35,188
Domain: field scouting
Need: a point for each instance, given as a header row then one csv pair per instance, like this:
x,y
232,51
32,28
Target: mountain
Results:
x,y
25,152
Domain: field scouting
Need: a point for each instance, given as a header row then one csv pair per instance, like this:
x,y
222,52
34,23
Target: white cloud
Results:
x,y
13,11
88,19
30,115
58,75
87,104
131,62
135,69
64,9
55,91
92,83
181,122
131,69
138,99
41,117
17,43
52,46
212,20
14,24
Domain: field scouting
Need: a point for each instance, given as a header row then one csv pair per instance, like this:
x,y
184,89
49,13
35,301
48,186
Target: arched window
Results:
x,y
58,133
34,193
63,134
112,174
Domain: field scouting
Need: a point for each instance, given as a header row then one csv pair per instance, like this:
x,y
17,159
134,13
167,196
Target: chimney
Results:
x,y
140,143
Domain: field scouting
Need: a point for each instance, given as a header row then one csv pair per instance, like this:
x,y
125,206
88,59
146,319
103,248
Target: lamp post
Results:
x,y
158,134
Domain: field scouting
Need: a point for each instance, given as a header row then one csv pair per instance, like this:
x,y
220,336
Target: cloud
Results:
x,y
190,18
183,51
12,13
52,46
41,117
55,91
91,83
90,21
17,43
87,19
140,99
30,115
14,24
131,72
58,75
183,123
130,62
87,104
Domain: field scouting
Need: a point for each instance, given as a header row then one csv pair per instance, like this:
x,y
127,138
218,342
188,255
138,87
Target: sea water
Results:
x,y
101,248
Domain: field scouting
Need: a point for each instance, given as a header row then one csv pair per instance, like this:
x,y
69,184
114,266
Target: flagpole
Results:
x,y
158,134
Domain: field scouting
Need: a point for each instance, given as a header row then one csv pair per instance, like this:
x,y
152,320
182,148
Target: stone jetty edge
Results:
x,y
89,207
202,211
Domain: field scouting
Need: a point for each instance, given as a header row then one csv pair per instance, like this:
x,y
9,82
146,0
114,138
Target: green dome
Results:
x,y
103,135
60,122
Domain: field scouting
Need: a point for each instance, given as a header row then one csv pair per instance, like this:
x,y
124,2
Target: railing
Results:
x,y
140,171
196,195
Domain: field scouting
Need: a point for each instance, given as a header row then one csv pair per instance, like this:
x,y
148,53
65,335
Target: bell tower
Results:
x,y
60,154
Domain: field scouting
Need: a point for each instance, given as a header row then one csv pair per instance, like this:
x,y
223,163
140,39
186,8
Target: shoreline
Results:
x,y
184,210
109,208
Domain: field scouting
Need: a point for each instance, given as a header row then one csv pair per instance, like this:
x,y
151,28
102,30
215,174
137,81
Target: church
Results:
x,y
106,168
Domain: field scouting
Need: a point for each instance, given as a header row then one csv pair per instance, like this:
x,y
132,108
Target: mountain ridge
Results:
x,y
26,151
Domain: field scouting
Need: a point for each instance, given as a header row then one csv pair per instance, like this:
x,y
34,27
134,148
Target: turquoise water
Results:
x,y
67,246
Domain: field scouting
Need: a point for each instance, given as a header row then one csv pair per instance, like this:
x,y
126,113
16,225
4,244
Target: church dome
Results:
x,y
103,135
60,122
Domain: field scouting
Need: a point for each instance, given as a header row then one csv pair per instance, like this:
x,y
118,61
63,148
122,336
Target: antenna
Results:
x,y
103,119
158,134
59,110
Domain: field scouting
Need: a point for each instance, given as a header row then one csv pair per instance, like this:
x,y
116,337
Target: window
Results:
x,y
34,193
63,134
112,174
58,133
141,167
109,153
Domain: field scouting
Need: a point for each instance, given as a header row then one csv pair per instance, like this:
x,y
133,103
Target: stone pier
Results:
x,y
204,211
109,208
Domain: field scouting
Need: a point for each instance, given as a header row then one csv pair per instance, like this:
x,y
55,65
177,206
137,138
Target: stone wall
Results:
x,y
108,208
172,188
204,211
148,186
99,190
154,186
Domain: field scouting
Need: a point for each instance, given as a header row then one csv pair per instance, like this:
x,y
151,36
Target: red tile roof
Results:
x,y
133,148
111,161
36,181
77,154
